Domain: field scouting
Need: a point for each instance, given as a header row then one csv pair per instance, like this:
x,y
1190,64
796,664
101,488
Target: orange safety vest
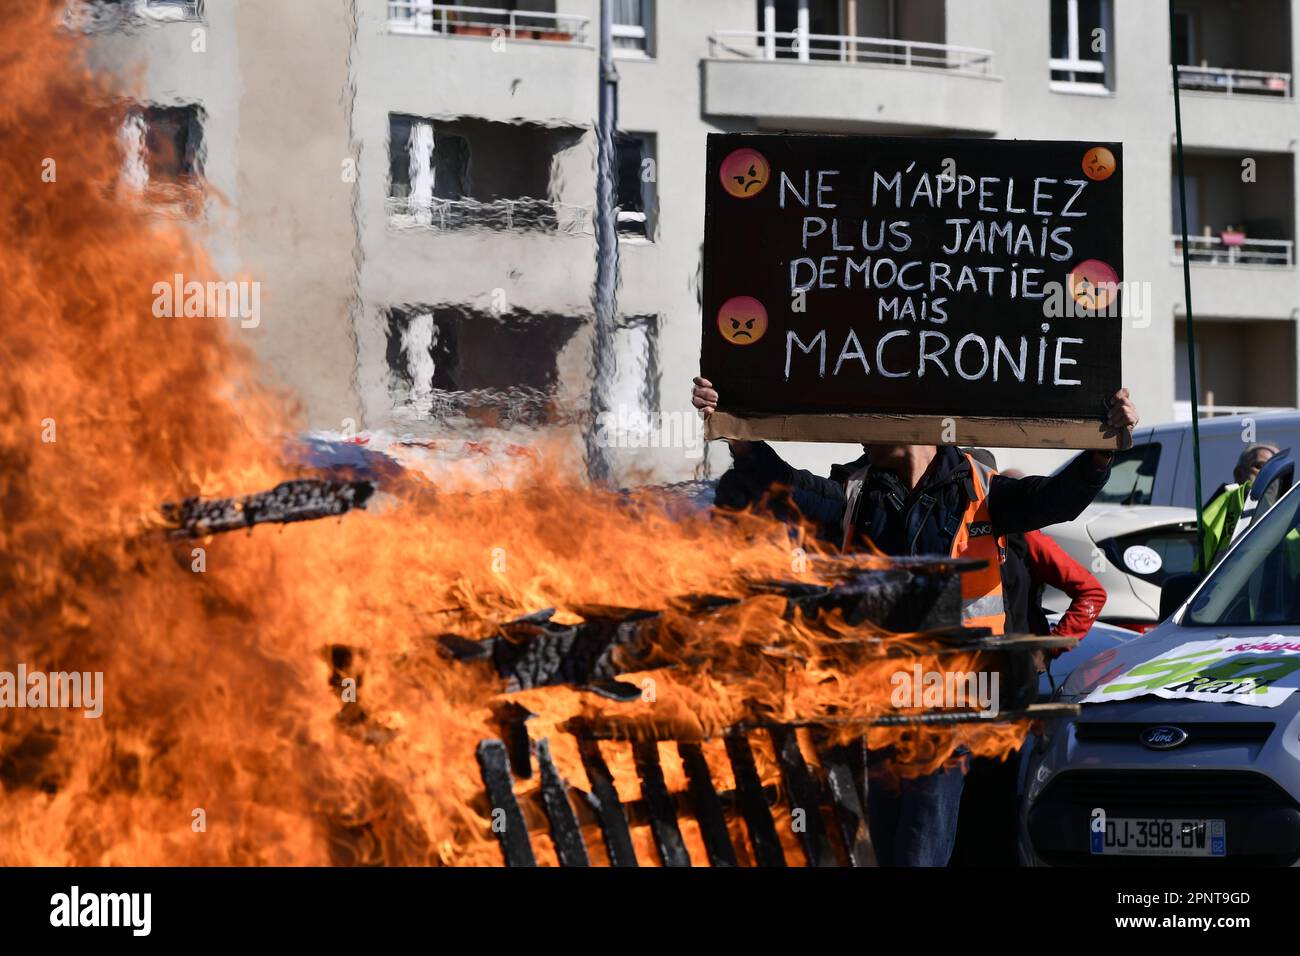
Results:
x,y
981,589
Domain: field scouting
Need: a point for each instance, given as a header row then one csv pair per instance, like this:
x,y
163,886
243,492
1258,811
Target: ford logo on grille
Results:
x,y
1163,738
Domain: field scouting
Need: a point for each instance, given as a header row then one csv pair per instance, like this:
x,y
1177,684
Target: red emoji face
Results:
x,y
742,320
745,172
1098,163
1094,284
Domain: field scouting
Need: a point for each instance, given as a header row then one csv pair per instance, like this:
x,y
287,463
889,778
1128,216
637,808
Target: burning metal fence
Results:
x,y
829,797
905,611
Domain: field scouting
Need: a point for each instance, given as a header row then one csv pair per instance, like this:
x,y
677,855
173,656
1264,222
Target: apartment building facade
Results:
x,y
414,182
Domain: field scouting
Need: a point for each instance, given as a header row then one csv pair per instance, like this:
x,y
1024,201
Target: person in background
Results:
x,y
1050,566
1047,564
1220,515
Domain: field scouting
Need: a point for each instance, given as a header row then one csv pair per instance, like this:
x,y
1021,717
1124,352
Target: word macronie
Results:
x,y
907,353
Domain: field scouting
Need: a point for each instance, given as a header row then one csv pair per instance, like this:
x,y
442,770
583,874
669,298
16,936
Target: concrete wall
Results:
x,y
296,231
277,210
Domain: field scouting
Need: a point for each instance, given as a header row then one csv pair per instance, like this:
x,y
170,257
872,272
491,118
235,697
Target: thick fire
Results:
x,y
222,687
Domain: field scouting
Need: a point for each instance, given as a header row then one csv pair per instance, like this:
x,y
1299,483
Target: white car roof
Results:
x,y
1221,424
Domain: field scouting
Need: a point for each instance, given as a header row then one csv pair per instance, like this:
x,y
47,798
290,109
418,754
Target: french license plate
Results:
x,y
1160,836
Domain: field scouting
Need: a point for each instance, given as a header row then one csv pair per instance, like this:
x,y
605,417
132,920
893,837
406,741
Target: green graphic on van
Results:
x,y
1260,672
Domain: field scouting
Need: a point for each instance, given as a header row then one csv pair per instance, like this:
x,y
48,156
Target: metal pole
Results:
x,y
1187,293
599,468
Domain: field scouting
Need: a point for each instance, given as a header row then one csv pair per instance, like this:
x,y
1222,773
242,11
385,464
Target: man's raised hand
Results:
x,y
1121,417
704,397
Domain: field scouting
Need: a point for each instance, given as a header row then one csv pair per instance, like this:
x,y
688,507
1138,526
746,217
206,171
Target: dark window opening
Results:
x,y
1183,48
1082,44
449,163
634,175
823,19
1239,210
173,143
450,362
1236,48
465,172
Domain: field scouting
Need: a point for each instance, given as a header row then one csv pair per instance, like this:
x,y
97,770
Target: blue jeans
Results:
x,y
916,824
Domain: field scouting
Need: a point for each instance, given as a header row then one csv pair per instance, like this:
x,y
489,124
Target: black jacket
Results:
x,y
1018,590
922,521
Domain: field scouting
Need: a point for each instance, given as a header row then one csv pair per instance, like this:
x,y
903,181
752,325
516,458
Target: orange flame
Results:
x,y
222,688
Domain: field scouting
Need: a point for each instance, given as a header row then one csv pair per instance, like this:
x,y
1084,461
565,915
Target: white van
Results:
x,y
1141,527
1157,470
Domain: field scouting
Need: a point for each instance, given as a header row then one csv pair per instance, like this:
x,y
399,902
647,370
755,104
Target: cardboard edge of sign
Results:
x,y
1065,433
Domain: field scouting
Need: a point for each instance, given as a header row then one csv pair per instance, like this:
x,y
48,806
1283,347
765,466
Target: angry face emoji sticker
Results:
x,y
742,320
1093,284
1098,163
745,172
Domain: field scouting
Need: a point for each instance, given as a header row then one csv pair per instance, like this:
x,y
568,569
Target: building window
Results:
x,y
1082,39
635,186
781,22
464,366
633,27
470,173
1235,223
634,390
162,156
422,159
173,140
1242,366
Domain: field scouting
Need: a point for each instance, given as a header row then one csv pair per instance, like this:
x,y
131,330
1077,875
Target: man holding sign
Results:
x,y
885,291
927,499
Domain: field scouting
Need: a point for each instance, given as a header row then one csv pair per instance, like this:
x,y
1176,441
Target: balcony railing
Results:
x,y
445,19
1210,79
171,9
795,47
1212,250
95,15
516,215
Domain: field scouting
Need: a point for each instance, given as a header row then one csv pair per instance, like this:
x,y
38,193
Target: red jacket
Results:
x,y
1049,564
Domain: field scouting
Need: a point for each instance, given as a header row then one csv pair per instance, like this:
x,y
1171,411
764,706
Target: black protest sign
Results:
x,y
922,290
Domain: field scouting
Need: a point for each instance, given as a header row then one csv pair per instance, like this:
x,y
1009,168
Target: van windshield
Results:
x,y
1256,584
1132,476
